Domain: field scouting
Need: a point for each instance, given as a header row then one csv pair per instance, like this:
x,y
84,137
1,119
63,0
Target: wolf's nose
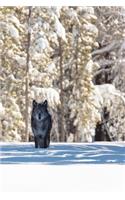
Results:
x,y
39,116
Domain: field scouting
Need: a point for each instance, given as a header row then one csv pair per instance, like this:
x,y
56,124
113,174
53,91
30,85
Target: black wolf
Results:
x,y
41,123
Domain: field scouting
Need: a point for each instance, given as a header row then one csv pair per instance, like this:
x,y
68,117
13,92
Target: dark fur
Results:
x,y
102,130
41,124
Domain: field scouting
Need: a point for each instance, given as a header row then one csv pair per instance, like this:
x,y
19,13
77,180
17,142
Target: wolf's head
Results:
x,y
40,111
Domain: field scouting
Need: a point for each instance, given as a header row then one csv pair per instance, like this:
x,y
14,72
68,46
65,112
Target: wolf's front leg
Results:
x,y
36,141
46,142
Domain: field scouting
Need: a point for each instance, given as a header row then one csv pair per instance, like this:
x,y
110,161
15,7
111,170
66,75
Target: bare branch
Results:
x,y
102,71
108,48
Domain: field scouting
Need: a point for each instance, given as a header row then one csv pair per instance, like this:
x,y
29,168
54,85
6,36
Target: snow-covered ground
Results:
x,y
63,153
63,167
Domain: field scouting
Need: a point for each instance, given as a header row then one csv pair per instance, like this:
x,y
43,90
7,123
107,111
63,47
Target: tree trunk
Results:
x,y
62,131
27,77
76,134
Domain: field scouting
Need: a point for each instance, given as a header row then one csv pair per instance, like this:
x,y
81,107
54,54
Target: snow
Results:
x,y
63,167
2,110
12,78
50,94
60,30
33,71
14,20
67,179
107,90
13,32
51,67
41,44
91,28
73,15
56,10
86,9
89,66
25,153
21,60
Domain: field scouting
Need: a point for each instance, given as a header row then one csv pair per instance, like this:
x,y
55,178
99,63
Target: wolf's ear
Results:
x,y
45,103
34,103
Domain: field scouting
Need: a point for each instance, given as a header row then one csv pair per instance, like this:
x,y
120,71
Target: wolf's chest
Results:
x,y
40,125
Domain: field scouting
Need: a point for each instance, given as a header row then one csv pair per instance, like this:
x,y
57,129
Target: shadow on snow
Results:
x,y
63,154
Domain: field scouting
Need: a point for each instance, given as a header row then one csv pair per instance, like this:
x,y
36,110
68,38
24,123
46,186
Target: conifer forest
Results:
x,y
73,57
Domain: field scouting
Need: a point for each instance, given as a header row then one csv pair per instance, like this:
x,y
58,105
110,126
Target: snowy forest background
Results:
x,y
72,56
